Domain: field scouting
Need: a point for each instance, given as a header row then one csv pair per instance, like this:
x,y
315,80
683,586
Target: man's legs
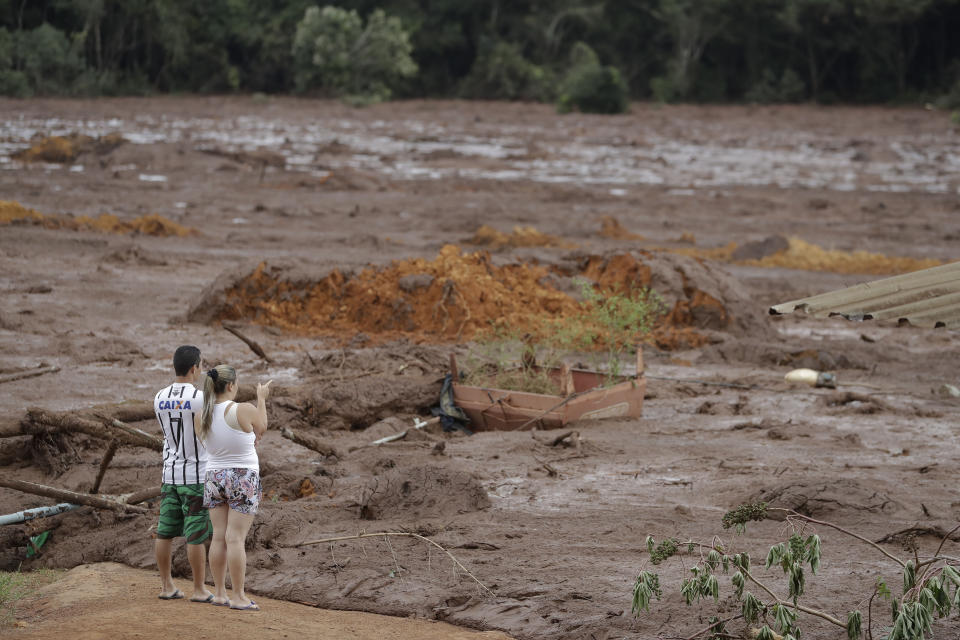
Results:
x,y
197,530
164,548
218,553
237,526
169,527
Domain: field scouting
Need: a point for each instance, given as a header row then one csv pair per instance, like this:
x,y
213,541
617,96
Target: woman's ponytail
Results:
x,y
215,382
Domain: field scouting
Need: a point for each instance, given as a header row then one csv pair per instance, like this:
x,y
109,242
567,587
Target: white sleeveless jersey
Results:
x,y
178,408
229,448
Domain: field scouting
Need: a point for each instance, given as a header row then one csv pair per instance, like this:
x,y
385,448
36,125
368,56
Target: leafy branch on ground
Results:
x,y
931,585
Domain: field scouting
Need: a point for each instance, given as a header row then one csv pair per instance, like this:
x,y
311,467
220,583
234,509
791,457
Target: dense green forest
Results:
x,y
586,54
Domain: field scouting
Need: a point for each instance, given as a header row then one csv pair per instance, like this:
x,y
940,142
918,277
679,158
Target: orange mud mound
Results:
x,y
62,149
459,295
487,236
151,225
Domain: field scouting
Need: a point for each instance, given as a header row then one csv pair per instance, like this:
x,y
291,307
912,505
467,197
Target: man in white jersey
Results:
x,y
178,409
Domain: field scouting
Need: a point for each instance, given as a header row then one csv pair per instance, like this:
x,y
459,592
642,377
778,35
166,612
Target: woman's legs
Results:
x,y
237,526
218,552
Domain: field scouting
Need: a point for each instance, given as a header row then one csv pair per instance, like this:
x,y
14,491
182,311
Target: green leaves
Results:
x,y
784,618
743,514
333,50
765,633
646,587
909,576
913,622
738,584
751,608
854,625
664,550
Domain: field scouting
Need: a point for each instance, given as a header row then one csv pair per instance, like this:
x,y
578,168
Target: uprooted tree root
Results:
x,y
151,225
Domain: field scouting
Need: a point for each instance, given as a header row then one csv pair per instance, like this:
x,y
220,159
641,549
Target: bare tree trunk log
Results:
x,y
143,495
310,442
143,438
69,496
10,428
132,412
107,457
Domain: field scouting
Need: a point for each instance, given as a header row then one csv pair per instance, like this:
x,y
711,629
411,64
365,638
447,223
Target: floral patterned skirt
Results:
x,y
238,488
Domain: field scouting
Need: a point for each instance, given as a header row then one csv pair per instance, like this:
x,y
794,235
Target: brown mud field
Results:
x,y
359,248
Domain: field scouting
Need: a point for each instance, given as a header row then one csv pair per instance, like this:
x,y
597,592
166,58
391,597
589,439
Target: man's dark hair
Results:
x,y
184,358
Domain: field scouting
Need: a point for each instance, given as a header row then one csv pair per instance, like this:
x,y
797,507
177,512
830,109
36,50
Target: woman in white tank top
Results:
x,y
232,491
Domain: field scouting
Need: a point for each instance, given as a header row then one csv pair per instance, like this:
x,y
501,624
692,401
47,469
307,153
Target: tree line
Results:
x,y
564,51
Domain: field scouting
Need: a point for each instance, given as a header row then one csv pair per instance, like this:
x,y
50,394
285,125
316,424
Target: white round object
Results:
x,y
802,376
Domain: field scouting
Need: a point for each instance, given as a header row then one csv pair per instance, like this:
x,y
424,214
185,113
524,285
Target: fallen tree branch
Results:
x,y
69,496
141,496
107,457
142,437
256,348
793,515
918,530
310,442
386,534
31,373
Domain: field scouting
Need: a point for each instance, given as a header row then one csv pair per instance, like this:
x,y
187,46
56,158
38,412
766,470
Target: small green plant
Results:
x,y
504,360
609,323
931,585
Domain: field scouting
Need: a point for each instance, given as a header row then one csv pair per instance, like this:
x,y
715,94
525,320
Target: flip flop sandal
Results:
x,y
209,598
176,595
220,604
250,607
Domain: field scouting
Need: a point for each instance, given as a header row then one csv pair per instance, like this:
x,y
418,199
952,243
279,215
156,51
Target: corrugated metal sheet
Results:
x,y
926,298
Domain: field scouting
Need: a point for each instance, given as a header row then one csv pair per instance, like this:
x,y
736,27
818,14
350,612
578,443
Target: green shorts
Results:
x,y
182,513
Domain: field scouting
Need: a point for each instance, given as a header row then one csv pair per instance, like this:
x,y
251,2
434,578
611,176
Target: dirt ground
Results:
x,y
326,233
96,602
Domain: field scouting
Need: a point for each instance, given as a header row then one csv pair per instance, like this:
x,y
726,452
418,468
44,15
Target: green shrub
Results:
x,y
334,51
770,90
47,59
591,87
14,84
502,73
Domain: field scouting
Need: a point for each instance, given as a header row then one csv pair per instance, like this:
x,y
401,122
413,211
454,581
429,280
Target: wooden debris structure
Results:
x,y
585,398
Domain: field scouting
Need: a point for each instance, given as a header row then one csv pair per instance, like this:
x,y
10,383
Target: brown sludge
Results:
x,y
359,283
